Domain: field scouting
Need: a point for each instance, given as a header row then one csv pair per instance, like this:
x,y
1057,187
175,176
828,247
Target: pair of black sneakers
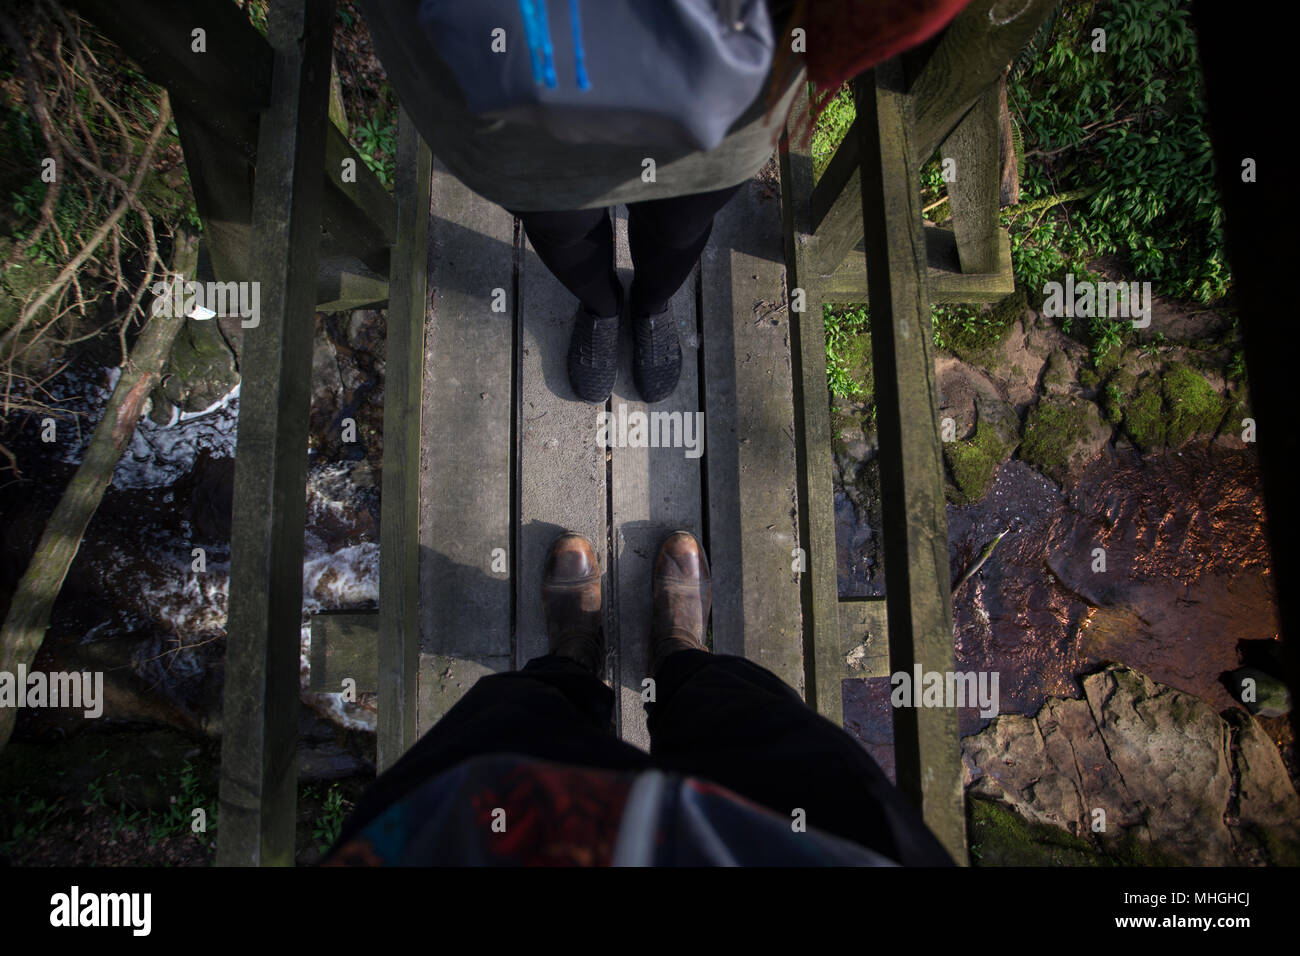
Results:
x,y
593,354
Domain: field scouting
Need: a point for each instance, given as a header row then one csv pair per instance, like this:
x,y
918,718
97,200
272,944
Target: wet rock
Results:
x,y
201,368
1168,772
1058,377
326,382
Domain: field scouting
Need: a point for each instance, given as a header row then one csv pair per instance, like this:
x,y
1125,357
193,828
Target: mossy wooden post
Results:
x,y
33,599
819,584
911,469
259,776
399,555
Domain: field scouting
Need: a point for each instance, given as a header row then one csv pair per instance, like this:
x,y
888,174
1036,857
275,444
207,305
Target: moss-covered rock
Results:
x,y
1144,420
1057,377
971,464
201,369
1192,405
1169,410
1061,434
998,836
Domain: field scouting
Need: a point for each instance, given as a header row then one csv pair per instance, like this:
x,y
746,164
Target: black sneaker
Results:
x,y
593,354
656,355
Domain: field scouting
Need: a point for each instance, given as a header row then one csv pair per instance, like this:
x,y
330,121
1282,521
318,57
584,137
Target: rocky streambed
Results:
x,y
145,600
1134,537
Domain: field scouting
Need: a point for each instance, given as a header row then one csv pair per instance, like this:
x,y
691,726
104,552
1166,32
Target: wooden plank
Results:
x,y
466,499
911,469
344,644
655,492
974,193
751,469
562,471
946,282
863,638
399,550
968,58
819,586
258,791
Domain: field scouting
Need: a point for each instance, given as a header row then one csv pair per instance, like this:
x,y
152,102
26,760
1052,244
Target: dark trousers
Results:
x,y
716,717
665,238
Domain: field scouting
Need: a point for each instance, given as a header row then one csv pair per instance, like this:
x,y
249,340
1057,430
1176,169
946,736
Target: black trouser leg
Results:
x,y
553,709
729,720
578,248
665,238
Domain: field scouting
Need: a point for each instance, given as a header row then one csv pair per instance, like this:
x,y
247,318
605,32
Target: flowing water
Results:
x,y
1160,563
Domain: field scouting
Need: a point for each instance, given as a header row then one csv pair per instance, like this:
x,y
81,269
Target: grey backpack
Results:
x,y
624,72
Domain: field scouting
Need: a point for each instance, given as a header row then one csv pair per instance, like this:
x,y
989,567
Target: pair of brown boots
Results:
x,y
571,600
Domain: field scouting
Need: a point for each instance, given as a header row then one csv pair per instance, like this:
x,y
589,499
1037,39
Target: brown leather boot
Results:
x,y
682,595
571,602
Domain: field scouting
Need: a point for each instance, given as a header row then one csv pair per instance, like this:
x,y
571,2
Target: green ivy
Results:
x,y
1130,123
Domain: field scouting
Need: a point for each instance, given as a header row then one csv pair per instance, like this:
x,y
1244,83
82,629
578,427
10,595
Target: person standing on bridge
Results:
x,y
558,112
525,768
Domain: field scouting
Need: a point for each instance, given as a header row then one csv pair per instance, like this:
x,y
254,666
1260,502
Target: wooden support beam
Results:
x,y
399,521
819,584
911,469
260,712
946,282
969,57
974,193
224,88
223,194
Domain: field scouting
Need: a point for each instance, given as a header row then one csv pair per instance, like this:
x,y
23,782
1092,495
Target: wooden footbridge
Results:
x,y
488,456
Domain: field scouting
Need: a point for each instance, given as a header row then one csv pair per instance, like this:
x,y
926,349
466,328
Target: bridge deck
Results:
x,y
510,458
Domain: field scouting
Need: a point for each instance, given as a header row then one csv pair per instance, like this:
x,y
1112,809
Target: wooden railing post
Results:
x,y
968,58
399,577
819,585
259,773
971,154
915,526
